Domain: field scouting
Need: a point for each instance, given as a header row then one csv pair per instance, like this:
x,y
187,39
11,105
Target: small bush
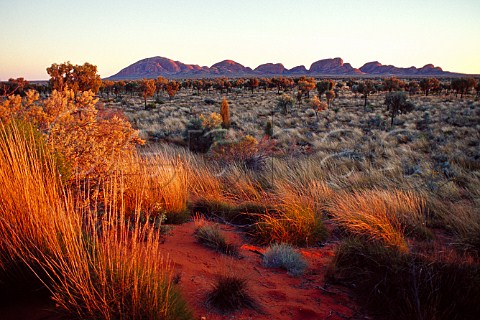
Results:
x,y
210,236
230,293
285,257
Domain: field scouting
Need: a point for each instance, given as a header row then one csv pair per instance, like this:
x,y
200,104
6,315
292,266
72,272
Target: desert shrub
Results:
x,y
202,132
210,236
285,257
230,293
93,146
408,286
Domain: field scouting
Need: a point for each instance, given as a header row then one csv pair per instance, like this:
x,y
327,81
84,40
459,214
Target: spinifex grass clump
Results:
x,y
378,216
297,219
230,293
210,236
94,269
285,257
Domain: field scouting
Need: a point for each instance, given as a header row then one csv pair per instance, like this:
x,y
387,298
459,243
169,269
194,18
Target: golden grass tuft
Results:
x,y
370,214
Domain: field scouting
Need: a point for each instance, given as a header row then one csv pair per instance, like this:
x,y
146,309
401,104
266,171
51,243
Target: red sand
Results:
x,y
280,295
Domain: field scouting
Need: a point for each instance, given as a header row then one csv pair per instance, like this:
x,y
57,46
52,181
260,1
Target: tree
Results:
x,y
429,84
107,87
225,113
147,89
397,102
77,77
330,95
172,88
160,84
366,88
413,87
392,84
284,102
13,86
253,83
324,86
317,105
85,78
463,85
305,85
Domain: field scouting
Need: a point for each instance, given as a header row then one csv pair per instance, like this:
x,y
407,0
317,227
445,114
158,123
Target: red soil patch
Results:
x,y
280,295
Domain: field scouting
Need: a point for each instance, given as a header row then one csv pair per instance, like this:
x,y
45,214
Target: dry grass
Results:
x,y
367,214
94,267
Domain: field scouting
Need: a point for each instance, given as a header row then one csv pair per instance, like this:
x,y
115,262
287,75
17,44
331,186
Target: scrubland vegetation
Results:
x,y
388,174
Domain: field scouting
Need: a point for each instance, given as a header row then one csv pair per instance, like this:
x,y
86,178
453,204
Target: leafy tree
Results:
x,y
324,86
396,102
429,84
305,85
107,87
172,88
225,113
85,78
330,95
366,88
284,102
13,86
413,87
119,87
253,83
160,84
317,105
463,85
76,77
147,89
392,84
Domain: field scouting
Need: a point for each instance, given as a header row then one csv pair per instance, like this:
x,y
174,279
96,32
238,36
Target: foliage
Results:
x,y
172,88
91,144
225,113
285,257
75,77
285,102
324,86
147,88
397,102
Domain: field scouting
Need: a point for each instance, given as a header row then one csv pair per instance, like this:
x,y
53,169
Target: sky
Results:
x,y
113,34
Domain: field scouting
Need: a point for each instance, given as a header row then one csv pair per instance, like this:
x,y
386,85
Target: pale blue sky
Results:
x,y
114,34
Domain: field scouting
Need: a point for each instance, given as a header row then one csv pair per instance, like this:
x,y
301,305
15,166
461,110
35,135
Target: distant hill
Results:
x,y
159,66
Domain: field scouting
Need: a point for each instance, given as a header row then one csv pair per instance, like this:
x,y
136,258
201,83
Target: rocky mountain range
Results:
x,y
159,66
